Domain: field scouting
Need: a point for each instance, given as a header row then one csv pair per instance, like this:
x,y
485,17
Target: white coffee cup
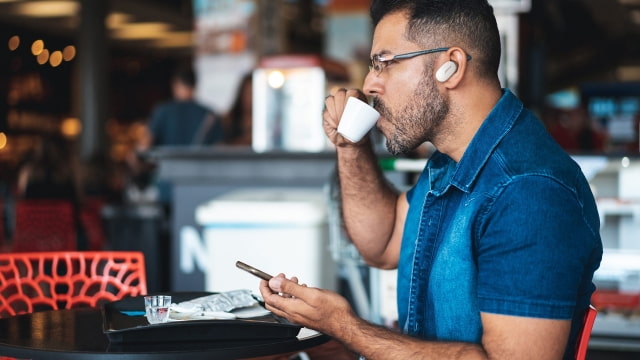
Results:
x,y
357,119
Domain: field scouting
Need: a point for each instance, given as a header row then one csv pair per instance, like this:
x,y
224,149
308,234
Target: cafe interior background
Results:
x,y
88,73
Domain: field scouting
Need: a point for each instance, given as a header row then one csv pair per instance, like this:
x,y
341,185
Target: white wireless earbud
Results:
x,y
446,70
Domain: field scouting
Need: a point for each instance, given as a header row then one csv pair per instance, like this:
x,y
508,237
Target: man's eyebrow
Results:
x,y
381,53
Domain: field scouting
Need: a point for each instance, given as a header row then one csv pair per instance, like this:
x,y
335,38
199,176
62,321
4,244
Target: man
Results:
x,y
183,121
497,242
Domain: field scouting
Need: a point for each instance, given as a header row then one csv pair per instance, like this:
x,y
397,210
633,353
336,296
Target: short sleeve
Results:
x,y
534,250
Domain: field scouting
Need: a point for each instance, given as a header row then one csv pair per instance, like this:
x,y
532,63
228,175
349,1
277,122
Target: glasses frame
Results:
x,y
382,61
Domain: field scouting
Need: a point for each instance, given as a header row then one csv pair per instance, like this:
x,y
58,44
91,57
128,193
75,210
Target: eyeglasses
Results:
x,y
379,63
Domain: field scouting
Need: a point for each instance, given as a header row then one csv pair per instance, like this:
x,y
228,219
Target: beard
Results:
x,y
418,121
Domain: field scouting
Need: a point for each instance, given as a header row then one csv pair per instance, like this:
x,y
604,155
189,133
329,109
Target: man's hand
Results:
x,y
505,337
314,308
334,105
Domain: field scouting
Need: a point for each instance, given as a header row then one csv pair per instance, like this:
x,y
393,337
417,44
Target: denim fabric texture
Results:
x,y
511,229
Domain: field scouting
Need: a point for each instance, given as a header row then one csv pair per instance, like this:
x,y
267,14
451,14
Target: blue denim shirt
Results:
x,y
511,229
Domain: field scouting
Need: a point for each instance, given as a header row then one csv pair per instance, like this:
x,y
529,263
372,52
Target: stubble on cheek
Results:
x,y
388,126
385,114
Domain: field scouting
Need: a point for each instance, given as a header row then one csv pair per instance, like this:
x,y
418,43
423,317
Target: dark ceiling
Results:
x,y
176,14
584,40
563,42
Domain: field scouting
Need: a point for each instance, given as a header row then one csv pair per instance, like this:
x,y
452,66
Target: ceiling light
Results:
x,y
43,57
117,19
14,42
71,127
136,31
37,47
175,39
47,8
55,59
68,53
3,140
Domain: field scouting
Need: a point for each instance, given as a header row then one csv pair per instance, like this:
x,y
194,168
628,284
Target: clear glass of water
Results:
x,y
156,308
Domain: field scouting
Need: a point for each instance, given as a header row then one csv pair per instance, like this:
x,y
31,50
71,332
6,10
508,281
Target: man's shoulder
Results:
x,y
162,110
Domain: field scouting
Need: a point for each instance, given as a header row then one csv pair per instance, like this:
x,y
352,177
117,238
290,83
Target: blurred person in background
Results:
x,y
575,131
238,121
180,122
183,121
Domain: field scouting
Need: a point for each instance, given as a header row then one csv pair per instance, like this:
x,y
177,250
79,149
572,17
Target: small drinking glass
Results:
x,y
156,308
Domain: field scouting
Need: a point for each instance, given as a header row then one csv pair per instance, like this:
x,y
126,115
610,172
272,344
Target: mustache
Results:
x,y
380,107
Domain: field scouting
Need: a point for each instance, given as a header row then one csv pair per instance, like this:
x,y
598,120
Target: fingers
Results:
x,y
284,286
265,290
335,103
284,294
311,307
334,107
278,300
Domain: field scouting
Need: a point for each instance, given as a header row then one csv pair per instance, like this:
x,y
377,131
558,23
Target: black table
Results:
x,y
78,334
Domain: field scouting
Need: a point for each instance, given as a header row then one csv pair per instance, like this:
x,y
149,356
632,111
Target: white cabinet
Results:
x,y
616,185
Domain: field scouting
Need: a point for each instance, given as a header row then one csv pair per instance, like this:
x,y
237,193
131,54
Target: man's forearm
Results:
x,y
379,343
368,200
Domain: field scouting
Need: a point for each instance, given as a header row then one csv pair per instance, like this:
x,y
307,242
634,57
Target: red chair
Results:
x,y
63,280
616,300
582,344
44,225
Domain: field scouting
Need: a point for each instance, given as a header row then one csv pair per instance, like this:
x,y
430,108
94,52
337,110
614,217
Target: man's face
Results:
x,y
181,91
405,92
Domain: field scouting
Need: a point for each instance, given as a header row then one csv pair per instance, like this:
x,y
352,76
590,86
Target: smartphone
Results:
x,y
250,269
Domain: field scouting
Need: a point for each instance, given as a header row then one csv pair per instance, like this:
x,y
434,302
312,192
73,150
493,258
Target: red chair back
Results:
x,y
582,344
44,225
63,280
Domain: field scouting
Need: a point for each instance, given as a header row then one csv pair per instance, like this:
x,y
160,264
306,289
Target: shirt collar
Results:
x,y
493,129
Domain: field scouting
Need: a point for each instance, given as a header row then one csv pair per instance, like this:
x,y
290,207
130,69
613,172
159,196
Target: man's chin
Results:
x,y
395,150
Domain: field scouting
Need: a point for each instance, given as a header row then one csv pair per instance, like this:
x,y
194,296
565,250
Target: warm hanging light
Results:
x,y
71,127
43,9
55,58
117,19
14,42
37,47
68,53
146,30
43,57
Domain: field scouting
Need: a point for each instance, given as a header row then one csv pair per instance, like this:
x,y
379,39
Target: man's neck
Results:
x,y
468,111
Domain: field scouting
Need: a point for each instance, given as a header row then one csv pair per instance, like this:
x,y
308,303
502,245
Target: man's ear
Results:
x,y
452,71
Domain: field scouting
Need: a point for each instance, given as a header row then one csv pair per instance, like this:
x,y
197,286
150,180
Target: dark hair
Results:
x,y
237,109
469,24
186,76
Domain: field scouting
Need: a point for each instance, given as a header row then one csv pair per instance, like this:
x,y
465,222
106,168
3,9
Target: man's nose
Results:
x,y
372,84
